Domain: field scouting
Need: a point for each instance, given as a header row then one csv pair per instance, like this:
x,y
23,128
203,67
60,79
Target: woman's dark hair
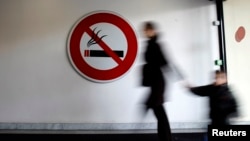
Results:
x,y
149,25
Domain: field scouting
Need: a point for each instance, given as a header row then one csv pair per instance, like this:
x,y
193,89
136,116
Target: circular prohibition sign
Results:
x,y
123,59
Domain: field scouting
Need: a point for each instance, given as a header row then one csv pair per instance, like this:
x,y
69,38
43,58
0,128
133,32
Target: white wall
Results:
x,y
39,85
238,52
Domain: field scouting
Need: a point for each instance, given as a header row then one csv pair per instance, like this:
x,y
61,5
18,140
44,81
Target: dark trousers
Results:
x,y
163,127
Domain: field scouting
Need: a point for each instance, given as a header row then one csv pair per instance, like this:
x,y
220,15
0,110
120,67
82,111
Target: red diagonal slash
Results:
x,y
105,47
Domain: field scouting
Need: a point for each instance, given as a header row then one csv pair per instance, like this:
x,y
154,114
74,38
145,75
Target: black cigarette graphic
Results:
x,y
101,53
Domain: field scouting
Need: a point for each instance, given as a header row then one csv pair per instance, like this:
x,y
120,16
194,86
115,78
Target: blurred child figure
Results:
x,y
221,99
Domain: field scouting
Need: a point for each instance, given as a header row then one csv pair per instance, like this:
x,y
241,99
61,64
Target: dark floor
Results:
x,y
200,136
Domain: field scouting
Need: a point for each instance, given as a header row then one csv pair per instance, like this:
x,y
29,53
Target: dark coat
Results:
x,y
152,73
221,99
155,61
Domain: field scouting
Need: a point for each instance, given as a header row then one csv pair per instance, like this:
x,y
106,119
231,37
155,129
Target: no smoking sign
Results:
x,y
102,46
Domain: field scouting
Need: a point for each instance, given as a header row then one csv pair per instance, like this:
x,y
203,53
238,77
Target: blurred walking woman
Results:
x,y
152,77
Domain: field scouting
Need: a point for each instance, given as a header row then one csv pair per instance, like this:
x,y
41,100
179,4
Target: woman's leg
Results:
x,y
164,130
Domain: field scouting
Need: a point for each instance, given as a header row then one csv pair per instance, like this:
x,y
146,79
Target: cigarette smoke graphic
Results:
x,y
98,53
94,37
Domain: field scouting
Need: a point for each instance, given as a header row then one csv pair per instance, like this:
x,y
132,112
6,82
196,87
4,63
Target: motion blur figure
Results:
x,y
152,77
222,102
